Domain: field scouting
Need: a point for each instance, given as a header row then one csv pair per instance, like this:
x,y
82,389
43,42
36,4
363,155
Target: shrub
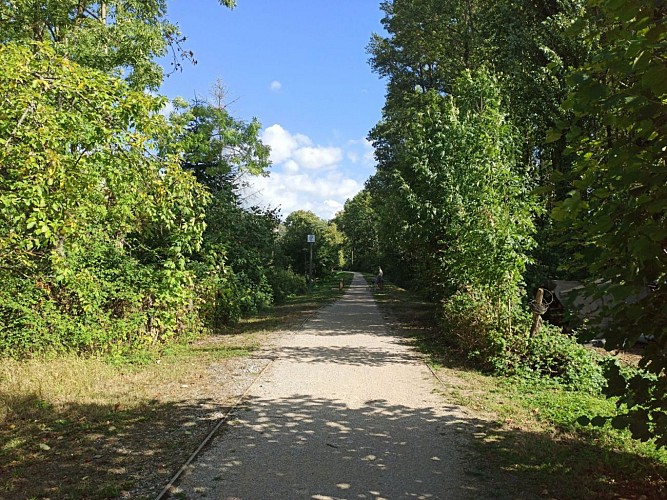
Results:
x,y
492,337
555,355
496,339
285,282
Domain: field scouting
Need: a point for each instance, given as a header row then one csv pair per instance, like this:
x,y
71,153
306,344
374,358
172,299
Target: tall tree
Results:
x,y
527,46
295,247
221,151
123,37
95,225
616,211
462,210
358,222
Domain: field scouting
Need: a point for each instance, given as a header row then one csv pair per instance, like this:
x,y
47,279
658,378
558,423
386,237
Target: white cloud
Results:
x,y
275,85
305,176
291,166
317,157
323,195
282,143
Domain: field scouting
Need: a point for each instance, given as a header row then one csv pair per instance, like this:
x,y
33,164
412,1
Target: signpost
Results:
x,y
311,242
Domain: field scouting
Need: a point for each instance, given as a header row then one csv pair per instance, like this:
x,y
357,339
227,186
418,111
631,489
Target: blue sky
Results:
x,y
300,67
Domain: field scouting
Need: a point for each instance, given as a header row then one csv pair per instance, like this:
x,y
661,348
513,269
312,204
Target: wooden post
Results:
x,y
340,285
537,318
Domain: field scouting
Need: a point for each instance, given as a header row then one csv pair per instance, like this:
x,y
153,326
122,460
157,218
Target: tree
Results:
x,y
95,224
461,209
114,36
221,151
295,246
358,221
616,211
529,49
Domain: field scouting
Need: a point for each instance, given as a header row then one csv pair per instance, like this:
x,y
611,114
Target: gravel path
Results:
x,y
346,410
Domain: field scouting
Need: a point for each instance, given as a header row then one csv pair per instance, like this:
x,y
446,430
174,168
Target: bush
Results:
x,y
557,356
492,337
496,339
218,303
285,282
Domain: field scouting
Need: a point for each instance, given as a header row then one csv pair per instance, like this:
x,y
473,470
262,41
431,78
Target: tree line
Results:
x,y
122,227
522,142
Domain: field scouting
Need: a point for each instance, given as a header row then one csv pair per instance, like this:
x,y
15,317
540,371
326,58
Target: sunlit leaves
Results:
x,y
461,208
81,174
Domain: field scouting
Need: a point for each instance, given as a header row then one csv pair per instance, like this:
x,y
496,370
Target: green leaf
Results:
x,y
553,135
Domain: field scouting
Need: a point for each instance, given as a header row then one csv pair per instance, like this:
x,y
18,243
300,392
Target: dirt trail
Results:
x,y
346,410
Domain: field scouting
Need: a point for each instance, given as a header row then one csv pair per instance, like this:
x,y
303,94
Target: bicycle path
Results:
x,y
346,411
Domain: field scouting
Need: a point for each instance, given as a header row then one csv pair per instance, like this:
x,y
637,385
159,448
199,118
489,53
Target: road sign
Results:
x,y
311,238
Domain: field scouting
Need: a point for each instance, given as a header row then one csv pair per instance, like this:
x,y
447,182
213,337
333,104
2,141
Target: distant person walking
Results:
x,y
379,279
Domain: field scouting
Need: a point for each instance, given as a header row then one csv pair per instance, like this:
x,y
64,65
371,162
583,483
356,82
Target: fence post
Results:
x,y
537,306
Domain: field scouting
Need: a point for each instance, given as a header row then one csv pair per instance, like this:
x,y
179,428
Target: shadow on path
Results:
x,y
310,447
348,355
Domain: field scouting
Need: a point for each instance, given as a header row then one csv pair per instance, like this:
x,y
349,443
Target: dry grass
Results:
x,y
88,429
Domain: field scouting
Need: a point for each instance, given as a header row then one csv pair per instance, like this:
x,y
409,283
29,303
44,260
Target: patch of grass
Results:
x,y
531,433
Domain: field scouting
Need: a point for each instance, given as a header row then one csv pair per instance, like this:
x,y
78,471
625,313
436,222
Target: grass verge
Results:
x,y
73,427
526,429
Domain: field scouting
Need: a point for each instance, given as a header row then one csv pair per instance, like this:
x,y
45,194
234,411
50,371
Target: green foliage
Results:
x,y
95,227
217,295
552,355
450,189
496,338
616,210
295,249
217,146
359,224
456,164
640,397
119,37
285,283
119,229
112,36
488,335
239,241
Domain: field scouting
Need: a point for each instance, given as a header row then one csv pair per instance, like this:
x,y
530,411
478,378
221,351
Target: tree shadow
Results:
x,y
348,355
97,451
308,447
300,447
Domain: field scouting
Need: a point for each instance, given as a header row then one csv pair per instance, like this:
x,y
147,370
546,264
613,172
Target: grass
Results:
x,y
527,428
88,428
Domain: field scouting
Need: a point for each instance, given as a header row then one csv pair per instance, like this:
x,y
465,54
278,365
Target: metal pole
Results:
x,y
310,280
